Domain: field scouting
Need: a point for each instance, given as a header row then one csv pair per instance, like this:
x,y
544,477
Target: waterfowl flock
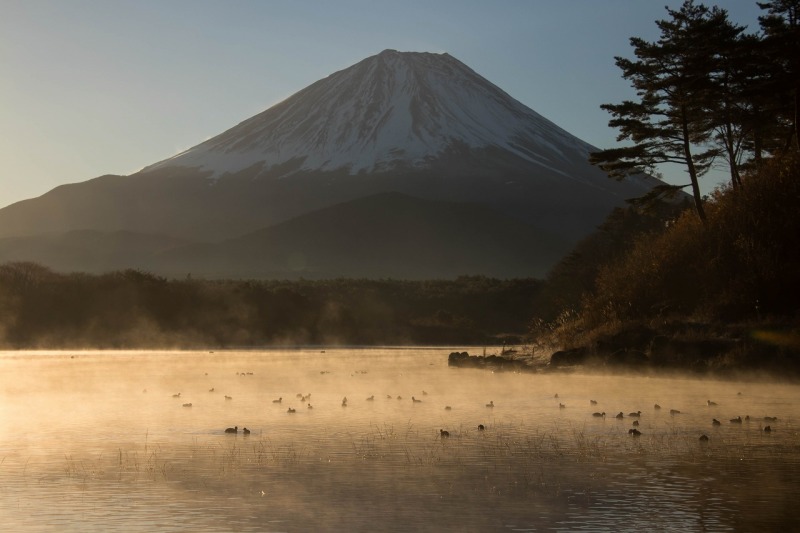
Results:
x,y
443,433
635,429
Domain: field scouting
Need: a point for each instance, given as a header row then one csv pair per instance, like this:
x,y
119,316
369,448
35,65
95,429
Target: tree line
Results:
x,y
40,308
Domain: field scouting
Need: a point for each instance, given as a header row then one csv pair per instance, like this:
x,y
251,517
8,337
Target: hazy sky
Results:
x,y
93,87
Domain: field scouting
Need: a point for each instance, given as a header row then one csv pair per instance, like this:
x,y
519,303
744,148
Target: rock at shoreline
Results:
x,y
575,356
495,362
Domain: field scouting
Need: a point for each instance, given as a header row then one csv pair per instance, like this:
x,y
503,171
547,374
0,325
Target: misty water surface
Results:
x,y
103,441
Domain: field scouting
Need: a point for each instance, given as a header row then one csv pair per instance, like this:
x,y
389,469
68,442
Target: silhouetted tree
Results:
x,y
669,122
781,27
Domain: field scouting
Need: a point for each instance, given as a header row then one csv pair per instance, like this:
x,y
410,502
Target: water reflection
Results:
x,y
100,441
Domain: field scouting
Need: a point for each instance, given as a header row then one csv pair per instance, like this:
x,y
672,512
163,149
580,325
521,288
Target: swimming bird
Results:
x,y
246,431
703,438
415,400
399,397
388,396
228,397
710,403
737,420
444,434
562,406
674,412
656,406
344,401
290,410
599,415
593,402
176,395
767,429
447,408
635,422
187,405
310,406
234,429
635,432
490,404
636,414
770,419
481,427
556,395
424,393
620,415
715,422
279,400
371,398
211,389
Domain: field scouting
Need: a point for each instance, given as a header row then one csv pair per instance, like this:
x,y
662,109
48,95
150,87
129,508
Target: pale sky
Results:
x,y
93,87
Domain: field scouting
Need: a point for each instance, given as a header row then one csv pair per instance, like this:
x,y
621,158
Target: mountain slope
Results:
x,y
385,235
87,250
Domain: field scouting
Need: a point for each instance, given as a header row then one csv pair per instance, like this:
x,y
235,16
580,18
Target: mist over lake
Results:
x,y
107,441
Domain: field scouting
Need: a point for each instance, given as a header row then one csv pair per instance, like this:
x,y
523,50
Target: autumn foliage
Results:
x,y
743,264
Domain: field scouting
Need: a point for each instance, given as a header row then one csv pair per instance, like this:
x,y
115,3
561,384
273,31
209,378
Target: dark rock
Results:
x,y
575,356
628,358
458,359
496,362
635,337
666,351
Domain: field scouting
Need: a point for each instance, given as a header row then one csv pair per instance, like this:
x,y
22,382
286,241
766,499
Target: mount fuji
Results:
x,y
322,184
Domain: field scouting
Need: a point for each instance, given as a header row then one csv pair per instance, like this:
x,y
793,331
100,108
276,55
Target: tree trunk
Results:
x,y
736,179
797,116
687,152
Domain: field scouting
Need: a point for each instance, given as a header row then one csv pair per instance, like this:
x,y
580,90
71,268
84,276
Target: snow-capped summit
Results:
x,y
392,110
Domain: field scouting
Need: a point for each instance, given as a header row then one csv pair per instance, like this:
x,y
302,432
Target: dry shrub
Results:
x,y
742,264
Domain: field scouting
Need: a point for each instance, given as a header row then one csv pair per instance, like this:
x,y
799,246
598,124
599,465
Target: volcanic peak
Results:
x,y
389,111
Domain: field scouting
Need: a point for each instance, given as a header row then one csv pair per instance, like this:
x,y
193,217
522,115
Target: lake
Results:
x,y
107,441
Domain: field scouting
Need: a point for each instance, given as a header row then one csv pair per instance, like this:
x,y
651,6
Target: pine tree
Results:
x,y
670,122
781,27
728,104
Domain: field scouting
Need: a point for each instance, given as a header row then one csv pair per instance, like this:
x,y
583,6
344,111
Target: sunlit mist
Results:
x,y
386,439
